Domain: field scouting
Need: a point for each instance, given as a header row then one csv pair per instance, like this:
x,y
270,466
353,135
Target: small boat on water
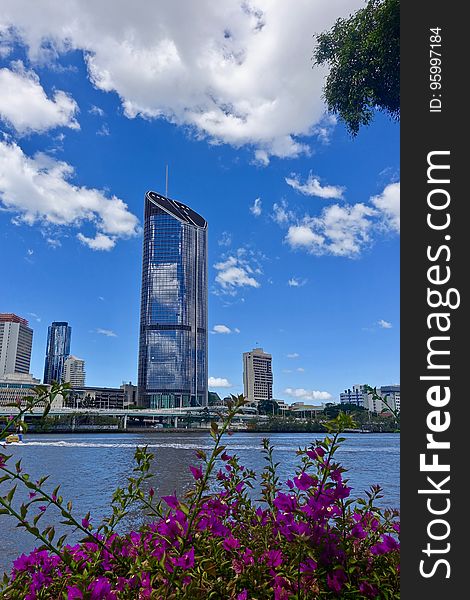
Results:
x,y
14,438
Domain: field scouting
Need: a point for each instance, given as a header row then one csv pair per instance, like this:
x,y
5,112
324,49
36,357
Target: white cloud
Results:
x,y
300,369
25,106
256,208
219,382
313,187
96,110
236,72
293,355
99,242
339,230
281,215
53,243
225,239
388,202
35,316
221,329
296,282
301,394
106,332
103,130
38,190
236,271
384,324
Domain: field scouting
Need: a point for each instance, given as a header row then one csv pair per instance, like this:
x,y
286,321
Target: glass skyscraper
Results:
x,y
173,317
57,350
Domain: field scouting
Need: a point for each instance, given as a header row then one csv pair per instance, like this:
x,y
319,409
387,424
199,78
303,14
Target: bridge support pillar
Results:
x,y
124,423
176,422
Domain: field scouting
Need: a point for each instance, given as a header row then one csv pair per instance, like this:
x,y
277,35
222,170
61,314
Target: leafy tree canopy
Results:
x,y
363,53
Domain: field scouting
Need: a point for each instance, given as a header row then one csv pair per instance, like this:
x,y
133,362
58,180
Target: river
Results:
x,y
90,466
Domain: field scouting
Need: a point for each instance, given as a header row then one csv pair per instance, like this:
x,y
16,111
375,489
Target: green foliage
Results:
x,y
268,407
363,53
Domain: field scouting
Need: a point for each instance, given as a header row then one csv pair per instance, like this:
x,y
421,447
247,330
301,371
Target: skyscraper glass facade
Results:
x,y
173,319
57,350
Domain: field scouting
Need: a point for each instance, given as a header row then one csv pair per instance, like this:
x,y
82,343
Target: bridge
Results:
x,y
168,416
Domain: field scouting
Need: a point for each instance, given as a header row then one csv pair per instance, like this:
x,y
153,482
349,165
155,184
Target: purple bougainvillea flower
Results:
x,y
85,523
242,595
336,475
308,566
304,481
231,543
239,487
226,456
74,593
368,590
341,491
336,580
285,503
172,501
42,508
186,561
100,589
388,544
273,558
238,566
316,453
358,531
196,471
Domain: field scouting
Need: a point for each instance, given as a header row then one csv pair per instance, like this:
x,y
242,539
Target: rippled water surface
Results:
x,y
90,466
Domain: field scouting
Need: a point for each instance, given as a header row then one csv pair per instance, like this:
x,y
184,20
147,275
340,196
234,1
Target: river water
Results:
x,y
89,467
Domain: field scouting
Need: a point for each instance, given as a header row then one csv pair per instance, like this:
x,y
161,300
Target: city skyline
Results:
x,y
254,375
303,251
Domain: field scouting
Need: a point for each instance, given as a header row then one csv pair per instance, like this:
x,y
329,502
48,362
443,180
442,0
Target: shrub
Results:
x,y
304,539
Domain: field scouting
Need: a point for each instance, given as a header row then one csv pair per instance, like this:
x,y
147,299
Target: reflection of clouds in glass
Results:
x,y
165,359
164,293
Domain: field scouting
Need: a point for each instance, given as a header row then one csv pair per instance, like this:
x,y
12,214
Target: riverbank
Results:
x,y
189,430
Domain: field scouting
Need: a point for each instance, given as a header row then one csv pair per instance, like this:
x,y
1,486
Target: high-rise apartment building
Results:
x,y
389,393
57,350
173,319
74,371
356,395
16,340
257,375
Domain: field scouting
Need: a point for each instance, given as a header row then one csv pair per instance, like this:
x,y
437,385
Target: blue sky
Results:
x,y
303,219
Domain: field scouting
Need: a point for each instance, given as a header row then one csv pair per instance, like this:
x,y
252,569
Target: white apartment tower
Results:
x,y
257,375
16,340
74,371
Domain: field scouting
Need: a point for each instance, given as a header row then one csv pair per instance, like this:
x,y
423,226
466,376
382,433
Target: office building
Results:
x,y
389,393
356,395
57,350
74,371
392,395
96,397
130,394
14,387
172,368
257,375
16,340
